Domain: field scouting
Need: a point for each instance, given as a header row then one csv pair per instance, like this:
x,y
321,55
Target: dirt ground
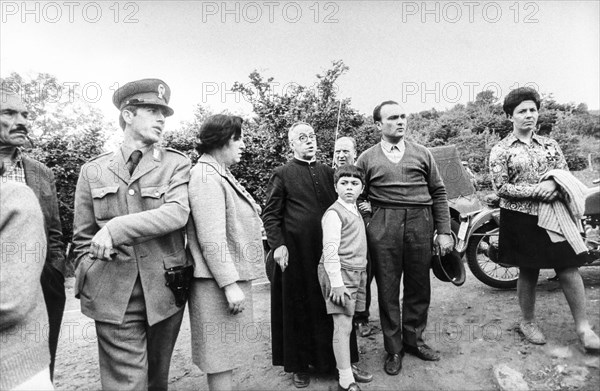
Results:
x,y
472,326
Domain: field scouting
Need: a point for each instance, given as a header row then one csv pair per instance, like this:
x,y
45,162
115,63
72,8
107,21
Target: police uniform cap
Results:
x,y
153,92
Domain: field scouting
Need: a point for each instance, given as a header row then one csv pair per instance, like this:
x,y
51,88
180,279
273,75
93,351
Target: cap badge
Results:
x,y
161,91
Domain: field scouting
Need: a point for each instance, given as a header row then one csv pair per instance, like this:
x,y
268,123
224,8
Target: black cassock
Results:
x,y
298,195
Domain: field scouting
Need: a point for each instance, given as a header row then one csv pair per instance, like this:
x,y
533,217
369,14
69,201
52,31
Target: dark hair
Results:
x,y
131,108
377,110
519,95
348,170
216,131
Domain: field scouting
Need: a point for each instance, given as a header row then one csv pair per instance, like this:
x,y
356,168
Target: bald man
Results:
x,y
344,151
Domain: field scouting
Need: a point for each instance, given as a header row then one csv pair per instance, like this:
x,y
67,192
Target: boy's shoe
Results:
x,y
360,375
351,387
301,379
531,332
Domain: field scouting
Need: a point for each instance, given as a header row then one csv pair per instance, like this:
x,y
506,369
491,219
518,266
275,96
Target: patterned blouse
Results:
x,y
517,167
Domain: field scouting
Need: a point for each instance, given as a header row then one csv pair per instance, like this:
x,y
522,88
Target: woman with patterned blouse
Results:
x,y
517,164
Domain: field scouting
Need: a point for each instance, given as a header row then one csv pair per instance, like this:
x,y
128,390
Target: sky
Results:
x,y
422,54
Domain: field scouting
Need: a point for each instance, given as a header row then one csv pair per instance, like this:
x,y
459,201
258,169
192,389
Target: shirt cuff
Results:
x,y
335,279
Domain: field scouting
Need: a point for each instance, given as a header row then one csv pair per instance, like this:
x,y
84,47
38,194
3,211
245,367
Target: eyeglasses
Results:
x,y
304,137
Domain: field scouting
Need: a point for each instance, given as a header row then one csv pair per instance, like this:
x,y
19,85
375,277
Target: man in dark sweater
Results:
x,y
409,202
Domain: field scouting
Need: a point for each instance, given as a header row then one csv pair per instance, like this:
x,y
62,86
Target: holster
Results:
x,y
178,280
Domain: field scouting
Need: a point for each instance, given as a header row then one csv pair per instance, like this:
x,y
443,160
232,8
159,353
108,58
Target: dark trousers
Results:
x,y
400,243
53,288
134,355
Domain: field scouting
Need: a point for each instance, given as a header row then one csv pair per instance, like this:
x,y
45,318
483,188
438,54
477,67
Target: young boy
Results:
x,y
342,269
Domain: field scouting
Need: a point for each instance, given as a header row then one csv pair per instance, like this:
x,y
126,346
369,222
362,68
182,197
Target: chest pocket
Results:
x,y
106,205
153,196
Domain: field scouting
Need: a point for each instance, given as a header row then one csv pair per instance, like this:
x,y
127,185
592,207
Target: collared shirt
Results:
x,y
15,171
393,152
127,151
332,235
516,168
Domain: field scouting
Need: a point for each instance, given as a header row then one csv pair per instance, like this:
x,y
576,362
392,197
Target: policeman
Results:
x,y
130,208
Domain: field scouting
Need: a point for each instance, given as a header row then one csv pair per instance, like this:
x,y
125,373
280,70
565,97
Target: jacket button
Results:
x,y
131,192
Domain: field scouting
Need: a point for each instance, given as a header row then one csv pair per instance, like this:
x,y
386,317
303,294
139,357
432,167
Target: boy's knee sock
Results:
x,y
346,377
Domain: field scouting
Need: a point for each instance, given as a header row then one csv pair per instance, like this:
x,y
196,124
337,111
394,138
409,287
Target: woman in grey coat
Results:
x,y
224,233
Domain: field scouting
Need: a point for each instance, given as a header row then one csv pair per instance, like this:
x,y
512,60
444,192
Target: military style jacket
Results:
x,y
145,214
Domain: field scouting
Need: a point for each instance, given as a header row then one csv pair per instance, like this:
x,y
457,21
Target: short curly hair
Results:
x,y
518,96
216,131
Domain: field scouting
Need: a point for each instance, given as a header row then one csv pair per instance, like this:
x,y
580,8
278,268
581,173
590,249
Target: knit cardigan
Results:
x,y
24,350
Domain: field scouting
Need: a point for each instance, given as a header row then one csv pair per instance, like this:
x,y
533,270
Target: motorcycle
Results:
x,y
478,234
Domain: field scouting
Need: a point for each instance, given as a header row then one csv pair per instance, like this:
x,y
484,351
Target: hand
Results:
x,y
281,256
446,243
546,191
365,206
337,295
235,298
101,245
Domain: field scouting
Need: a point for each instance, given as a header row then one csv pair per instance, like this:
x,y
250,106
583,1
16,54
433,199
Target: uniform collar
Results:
x,y
127,151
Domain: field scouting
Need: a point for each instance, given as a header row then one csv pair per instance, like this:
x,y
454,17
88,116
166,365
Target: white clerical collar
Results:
x,y
314,159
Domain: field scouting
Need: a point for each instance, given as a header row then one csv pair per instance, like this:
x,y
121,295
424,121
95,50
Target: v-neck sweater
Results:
x,y
412,182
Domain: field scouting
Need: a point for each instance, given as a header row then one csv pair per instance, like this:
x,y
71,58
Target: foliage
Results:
x,y
66,132
69,131
267,146
65,154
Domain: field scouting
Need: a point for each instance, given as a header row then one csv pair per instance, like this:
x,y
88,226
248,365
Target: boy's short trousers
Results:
x,y
356,283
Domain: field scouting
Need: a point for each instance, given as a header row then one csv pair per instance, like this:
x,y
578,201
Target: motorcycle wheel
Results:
x,y
482,252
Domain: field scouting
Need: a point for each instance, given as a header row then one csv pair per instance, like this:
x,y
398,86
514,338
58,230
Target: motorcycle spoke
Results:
x,y
493,269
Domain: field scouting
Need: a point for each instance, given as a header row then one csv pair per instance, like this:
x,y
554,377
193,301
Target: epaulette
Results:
x,y
176,151
99,156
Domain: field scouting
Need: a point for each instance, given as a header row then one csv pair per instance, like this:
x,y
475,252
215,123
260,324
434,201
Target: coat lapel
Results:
x,y
231,180
149,162
33,176
243,192
118,166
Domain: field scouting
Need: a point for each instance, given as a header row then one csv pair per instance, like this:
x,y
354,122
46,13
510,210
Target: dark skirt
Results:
x,y
523,243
